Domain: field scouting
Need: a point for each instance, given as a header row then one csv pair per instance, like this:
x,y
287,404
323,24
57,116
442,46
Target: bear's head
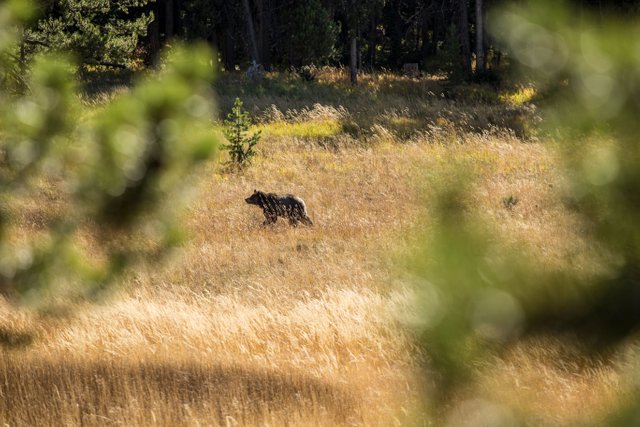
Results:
x,y
255,198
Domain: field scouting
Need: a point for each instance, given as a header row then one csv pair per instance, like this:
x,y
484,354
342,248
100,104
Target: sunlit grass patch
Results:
x,y
519,96
310,129
305,326
405,122
308,325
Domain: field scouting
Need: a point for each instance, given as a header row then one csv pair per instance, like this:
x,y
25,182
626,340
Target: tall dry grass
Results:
x,y
253,325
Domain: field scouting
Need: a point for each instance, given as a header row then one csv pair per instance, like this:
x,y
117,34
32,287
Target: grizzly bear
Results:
x,y
287,206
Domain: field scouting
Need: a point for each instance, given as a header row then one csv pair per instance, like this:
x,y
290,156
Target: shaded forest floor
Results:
x,y
295,326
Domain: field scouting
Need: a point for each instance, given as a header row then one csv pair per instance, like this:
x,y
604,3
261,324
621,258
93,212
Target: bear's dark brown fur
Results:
x,y
287,206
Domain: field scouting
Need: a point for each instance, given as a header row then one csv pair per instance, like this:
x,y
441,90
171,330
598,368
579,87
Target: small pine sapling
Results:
x,y
236,129
510,202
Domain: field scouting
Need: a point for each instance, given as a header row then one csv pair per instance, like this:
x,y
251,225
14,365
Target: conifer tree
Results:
x,y
102,32
312,34
236,129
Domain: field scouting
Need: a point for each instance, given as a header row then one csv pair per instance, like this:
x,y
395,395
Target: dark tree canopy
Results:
x,y
284,33
97,31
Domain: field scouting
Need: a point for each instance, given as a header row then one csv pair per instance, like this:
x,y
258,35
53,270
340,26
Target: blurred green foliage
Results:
x,y
479,297
119,173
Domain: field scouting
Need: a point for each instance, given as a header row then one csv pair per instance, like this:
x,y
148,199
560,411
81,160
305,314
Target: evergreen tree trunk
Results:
x,y
168,19
426,45
264,32
252,33
395,34
178,25
154,34
354,61
225,35
497,56
228,52
480,65
371,54
463,28
22,65
439,33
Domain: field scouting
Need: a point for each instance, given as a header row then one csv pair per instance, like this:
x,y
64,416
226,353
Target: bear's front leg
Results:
x,y
270,219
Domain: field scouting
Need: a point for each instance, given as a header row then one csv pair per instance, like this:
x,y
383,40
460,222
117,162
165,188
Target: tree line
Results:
x,y
367,34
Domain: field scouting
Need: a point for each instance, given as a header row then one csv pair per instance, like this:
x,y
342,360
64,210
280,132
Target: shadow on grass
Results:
x,y
100,83
285,91
122,392
405,107
10,339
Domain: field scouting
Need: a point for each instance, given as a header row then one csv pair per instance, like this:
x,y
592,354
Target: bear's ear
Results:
x,y
255,191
